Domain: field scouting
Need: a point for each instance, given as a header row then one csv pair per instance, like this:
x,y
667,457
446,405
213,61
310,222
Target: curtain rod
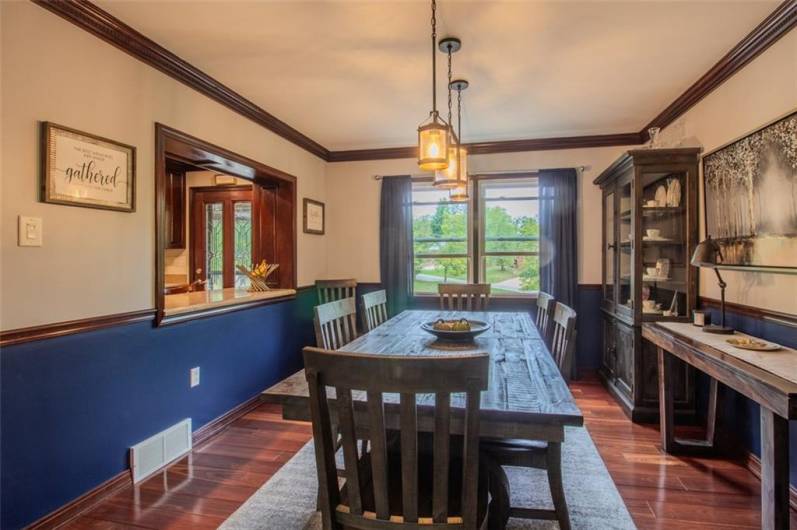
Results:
x,y
581,169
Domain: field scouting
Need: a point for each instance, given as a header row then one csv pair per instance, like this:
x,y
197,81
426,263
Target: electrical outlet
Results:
x,y
194,376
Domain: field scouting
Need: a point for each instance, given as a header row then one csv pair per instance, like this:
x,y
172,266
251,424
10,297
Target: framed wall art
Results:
x,y
82,169
750,193
313,217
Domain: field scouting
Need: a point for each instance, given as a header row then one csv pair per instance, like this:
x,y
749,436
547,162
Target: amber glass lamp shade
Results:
x,y
459,193
447,178
433,144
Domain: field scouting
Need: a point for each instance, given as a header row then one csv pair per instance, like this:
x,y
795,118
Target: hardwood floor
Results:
x,y
661,491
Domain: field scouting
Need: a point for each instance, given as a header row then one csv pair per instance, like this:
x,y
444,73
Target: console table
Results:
x,y
768,378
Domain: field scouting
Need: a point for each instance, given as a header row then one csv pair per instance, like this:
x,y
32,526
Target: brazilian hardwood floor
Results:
x,y
202,490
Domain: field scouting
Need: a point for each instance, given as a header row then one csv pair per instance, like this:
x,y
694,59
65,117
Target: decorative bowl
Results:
x,y
477,327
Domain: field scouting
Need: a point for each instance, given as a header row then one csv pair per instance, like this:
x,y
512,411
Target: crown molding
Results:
x,y
767,33
502,146
102,24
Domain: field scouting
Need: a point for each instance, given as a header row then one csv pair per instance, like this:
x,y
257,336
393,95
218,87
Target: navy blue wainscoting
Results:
x,y
72,406
738,414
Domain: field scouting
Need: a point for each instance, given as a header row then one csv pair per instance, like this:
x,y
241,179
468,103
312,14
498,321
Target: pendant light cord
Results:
x,y
459,131
450,123
434,57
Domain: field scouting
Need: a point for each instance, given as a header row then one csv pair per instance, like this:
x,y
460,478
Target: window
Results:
x,y
508,249
505,238
440,239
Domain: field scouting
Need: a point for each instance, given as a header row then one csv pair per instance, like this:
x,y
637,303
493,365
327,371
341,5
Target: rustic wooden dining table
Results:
x,y
527,397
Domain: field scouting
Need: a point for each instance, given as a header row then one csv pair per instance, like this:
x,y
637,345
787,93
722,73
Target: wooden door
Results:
x,y
221,235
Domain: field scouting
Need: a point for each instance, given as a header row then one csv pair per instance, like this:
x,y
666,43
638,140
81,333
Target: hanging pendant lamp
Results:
x,y
447,178
433,133
460,192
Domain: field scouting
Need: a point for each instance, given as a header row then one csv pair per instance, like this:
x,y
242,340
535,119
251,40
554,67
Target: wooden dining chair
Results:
x,y
374,309
545,308
331,290
464,297
542,455
407,488
335,323
563,338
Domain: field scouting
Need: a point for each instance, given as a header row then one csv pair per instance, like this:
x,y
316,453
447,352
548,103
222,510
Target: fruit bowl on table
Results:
x,y
459,330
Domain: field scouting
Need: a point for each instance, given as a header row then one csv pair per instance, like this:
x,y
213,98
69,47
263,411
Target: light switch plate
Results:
x,y
194,376
30,231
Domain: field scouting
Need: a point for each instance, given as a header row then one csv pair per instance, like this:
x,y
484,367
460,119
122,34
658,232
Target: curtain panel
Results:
x,y
395,241
558,234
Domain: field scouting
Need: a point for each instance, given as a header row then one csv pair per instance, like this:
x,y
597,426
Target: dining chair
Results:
x,y
563,338
408,487
331,290
335,323
545,307
374,309
542,455
464,297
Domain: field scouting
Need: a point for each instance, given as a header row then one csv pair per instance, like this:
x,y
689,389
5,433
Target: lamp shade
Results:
x,y
433,144
449,177
707,254
459,193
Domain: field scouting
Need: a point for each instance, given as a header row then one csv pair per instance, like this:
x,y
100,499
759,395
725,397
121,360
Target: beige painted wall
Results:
x,y
353,205
764,90
96,262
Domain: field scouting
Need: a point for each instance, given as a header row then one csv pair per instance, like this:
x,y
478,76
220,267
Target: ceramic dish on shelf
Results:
x,y
662,239
646,278
652,312
749,343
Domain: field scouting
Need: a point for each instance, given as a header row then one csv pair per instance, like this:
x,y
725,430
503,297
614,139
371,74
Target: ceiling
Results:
x,y
356,75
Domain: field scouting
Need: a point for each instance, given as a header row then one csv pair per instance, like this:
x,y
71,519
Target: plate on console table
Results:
x,y
747,343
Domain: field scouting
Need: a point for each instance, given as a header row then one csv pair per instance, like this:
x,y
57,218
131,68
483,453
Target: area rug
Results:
x,y
287,501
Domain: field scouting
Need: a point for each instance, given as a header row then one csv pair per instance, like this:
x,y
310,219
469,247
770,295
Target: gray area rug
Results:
x,y
287,501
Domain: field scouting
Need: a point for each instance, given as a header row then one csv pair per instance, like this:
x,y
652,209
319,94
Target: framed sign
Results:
x,y
313,217
81,169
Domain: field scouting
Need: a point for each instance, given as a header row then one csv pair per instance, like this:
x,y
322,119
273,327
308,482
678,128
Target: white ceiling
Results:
x,y
354,75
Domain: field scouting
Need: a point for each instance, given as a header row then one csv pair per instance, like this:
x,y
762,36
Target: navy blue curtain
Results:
x,y
558,234
395,242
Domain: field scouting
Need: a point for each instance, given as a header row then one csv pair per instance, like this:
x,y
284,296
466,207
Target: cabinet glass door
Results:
x,y
664,252
610,250
625,235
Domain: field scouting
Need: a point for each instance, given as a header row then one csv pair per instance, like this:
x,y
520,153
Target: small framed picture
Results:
x,y
313,217
81,169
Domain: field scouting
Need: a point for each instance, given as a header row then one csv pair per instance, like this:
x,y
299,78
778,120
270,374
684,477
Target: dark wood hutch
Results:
x,y
650,229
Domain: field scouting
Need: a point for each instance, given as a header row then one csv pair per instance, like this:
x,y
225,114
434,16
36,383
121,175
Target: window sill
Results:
x,y
199,304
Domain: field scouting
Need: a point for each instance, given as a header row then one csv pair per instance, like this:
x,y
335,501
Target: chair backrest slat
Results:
x,y
374,309
335,323
464,297
331,290
409,458
376,434
408,376
545,308
441,456
563,338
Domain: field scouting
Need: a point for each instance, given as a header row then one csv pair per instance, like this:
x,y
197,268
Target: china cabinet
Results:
x,y
650,229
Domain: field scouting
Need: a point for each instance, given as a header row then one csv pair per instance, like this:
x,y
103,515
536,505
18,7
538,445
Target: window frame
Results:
x,y
475,234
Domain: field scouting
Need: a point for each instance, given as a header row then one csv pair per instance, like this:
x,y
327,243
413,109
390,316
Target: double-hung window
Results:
x,y
441,249
492,238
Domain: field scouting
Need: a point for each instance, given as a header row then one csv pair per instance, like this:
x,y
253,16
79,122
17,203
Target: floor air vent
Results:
x,y
155,452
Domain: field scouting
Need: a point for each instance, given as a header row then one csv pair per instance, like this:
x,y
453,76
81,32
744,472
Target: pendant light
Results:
x,y
433,133
447,178
460,192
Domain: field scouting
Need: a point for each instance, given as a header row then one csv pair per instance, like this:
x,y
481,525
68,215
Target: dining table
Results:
x,y
527,398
